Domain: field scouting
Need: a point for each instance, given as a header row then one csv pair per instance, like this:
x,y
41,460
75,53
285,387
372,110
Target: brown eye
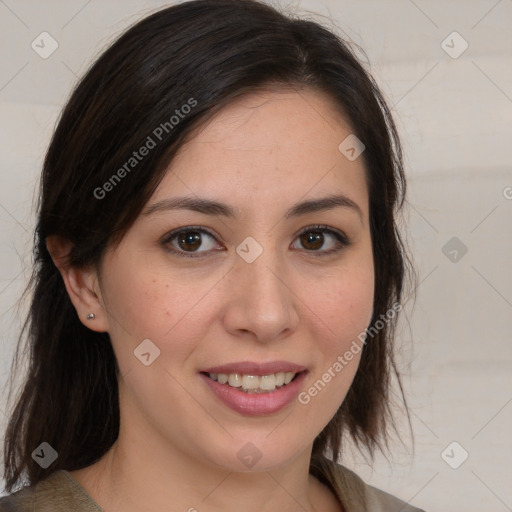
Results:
x,y
187,242
312,239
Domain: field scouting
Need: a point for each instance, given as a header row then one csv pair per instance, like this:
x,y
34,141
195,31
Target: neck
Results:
x,y
144,470
121,480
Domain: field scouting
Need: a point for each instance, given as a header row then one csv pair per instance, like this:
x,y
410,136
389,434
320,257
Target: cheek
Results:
x,y
173,311
342,307
342,313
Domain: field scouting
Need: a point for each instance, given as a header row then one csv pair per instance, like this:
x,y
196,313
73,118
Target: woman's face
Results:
x,y
261,285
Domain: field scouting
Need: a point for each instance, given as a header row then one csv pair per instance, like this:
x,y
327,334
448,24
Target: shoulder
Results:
x,y
381,501
56,493
357,495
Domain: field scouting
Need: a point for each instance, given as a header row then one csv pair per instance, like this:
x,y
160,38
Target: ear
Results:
x,y
82,285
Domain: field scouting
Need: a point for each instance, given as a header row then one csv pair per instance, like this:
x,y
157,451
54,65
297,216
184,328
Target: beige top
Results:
x,y
60,492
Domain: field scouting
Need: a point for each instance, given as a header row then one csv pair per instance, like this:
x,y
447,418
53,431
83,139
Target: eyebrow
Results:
x,y
210,207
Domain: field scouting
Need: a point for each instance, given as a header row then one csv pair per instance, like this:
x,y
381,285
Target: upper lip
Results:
x,y
252,368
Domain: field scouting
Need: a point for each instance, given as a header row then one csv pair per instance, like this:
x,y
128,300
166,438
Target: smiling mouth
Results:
x,y
253,384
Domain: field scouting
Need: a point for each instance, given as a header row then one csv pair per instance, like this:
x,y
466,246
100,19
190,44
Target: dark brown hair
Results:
x,y
212,51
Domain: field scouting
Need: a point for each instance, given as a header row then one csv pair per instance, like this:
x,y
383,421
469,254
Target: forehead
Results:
x,y
268,145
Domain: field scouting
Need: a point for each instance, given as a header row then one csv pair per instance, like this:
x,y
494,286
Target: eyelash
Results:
x,y
341,238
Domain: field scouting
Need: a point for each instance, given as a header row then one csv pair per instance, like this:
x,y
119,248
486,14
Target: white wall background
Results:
x,y
455,117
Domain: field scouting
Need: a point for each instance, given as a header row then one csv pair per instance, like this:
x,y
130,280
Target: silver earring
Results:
x,y
90,316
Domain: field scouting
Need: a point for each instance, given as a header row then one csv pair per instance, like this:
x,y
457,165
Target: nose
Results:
x,y
262,302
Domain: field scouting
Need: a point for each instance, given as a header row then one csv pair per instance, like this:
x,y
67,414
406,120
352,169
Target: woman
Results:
x,y
218,274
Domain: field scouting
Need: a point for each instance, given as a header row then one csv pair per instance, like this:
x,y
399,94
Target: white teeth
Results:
x,y
235,380
250,381
288,376
268,382
254,383
280,378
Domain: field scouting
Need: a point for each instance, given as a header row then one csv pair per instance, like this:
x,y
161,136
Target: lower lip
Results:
x,y
256,404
